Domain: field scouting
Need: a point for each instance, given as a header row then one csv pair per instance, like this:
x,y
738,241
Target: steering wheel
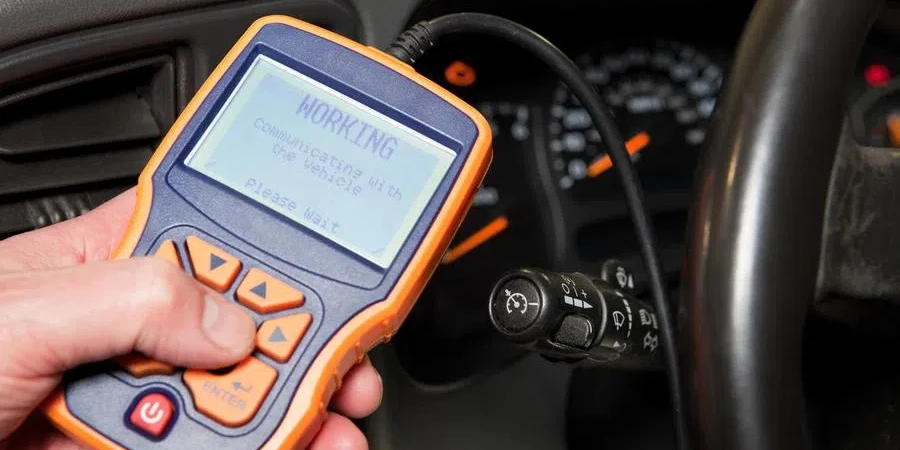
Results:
x,y
779,168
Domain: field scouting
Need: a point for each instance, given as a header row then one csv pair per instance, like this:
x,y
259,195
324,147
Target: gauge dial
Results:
x,y
662,97
876,117
503,214
448,335
502,229
875,114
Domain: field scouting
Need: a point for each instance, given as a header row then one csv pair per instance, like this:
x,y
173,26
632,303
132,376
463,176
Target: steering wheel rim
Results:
x,y
754,237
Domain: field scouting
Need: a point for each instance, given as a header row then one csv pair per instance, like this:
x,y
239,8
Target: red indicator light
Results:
x,y
877,75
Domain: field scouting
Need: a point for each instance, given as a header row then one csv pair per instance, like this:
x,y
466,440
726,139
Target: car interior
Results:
x,y
765,136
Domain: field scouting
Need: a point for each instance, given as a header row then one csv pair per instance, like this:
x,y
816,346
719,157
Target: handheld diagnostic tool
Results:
x,y
313,180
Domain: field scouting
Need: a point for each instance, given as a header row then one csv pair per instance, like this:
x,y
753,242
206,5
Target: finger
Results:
x,y
339,433
91,237
59,441
37,434
114,307
360,393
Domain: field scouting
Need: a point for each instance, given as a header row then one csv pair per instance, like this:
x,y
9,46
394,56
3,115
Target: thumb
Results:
x,y
62,318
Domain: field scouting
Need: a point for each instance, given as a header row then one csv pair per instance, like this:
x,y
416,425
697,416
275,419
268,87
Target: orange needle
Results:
x,y
486,233
893,125
604,163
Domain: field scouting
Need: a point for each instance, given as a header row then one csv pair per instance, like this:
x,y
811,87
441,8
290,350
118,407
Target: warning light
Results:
x,y
460,74
877,75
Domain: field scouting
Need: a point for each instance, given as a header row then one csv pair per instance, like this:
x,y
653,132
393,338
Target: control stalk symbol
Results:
x,y
516,301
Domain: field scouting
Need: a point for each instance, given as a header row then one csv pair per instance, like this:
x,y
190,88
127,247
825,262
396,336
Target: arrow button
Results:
x,y
169,252
140,366
265,294
215,261
279,338
212,266
260,290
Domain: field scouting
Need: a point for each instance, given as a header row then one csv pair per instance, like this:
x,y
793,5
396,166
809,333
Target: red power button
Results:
x,y
152,414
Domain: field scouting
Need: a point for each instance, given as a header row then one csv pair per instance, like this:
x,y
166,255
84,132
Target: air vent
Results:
x,y
68,143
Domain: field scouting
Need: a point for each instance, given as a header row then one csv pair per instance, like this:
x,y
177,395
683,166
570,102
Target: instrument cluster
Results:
x,y
551,198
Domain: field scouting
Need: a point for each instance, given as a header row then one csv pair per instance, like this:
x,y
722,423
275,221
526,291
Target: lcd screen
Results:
x,y
322,159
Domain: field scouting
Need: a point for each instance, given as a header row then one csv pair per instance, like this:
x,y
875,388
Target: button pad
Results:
x,y
278,338
231,399
264,293
212,265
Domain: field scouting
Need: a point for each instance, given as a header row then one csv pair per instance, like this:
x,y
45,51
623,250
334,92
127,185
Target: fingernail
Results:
x,y
227,326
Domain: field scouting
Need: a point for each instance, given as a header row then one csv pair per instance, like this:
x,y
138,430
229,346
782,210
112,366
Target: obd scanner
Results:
x,y
313,180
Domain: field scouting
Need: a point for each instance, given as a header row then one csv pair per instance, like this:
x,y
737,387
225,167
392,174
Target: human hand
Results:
x,y
63,304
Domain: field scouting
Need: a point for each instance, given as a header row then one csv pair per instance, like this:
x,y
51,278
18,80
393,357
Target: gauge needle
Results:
x,y
486,233
893,125
633,145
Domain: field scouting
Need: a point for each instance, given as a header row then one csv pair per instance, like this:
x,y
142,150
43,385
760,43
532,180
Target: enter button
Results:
x,y
234,398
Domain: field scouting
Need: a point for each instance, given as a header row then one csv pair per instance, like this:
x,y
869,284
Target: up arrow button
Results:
x,y
277,336
266,294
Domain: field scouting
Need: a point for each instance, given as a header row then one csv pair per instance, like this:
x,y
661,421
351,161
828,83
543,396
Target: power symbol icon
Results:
x,y
151,413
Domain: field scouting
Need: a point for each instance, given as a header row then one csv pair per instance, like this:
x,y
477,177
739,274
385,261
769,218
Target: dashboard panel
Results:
x,y
660,71
874,95
644,59
551,198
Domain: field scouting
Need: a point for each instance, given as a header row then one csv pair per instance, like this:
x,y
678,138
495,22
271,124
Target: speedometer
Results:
x,y
662,97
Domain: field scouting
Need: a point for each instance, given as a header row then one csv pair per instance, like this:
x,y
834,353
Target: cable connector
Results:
x,y
412,43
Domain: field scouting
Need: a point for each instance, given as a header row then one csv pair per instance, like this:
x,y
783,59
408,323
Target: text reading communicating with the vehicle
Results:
x,y
322,160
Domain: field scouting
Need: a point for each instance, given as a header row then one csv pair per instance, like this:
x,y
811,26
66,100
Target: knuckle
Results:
x,y
160,285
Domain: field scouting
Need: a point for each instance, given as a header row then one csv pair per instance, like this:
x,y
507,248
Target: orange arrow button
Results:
x,y
265,294
278,338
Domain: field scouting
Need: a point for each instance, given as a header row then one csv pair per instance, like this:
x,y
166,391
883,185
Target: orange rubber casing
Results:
x,y
371,326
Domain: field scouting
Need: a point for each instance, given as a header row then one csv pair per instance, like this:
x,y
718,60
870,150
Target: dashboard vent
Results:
x,y
70,143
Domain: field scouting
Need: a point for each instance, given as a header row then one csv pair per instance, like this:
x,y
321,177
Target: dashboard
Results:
x,y
550,198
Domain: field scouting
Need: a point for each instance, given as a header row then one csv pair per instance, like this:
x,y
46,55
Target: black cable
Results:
x,y
414,42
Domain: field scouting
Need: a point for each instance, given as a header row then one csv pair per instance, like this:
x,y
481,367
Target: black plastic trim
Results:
x,y
49,180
